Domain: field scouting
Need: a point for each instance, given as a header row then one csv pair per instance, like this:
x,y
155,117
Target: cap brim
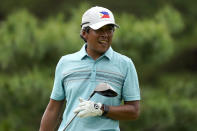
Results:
x,y
101,24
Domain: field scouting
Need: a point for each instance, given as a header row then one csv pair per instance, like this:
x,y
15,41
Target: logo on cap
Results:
x,y
104,14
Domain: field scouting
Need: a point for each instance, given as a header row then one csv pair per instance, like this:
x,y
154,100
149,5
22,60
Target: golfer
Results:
x,y
79,73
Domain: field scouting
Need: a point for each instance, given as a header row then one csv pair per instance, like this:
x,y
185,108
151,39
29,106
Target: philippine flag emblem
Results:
x,y
104,14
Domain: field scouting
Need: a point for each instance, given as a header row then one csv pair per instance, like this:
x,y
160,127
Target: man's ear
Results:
x,y
84,34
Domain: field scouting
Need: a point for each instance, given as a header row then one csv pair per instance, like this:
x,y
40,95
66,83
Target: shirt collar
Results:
x,y
109,53
83,53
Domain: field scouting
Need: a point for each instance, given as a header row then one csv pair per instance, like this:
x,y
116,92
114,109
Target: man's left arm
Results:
x,y
129,111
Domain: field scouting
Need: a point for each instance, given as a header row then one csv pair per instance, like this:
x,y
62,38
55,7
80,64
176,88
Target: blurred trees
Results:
x,y
29,51
161,44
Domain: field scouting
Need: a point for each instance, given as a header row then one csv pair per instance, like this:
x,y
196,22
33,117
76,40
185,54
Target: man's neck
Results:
x,y
94,55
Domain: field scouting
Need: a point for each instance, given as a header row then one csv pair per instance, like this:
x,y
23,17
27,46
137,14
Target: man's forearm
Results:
x,y
124,112
52,113
49,121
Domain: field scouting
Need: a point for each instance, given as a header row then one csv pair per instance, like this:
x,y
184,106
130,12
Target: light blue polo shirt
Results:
x,y
78,74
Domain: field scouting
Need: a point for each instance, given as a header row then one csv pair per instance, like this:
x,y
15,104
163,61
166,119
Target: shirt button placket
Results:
x,y
92,78
93,73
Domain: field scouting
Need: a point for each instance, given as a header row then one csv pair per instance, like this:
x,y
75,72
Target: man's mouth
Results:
x,y
103,42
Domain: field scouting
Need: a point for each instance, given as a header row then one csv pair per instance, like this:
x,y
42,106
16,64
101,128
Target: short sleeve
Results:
x,y
131,91
58,89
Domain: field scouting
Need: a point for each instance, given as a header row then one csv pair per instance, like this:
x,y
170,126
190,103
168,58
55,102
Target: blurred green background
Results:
x,y
159,36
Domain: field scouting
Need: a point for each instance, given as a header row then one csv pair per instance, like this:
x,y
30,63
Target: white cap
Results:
x,y
96,17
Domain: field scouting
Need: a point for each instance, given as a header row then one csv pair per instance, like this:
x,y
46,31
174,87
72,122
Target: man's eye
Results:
x,y
110,28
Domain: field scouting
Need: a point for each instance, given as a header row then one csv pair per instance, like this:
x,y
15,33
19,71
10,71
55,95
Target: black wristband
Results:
x,y
105,109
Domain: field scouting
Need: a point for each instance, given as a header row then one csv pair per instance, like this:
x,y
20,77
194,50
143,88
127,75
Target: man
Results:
x,y
78,74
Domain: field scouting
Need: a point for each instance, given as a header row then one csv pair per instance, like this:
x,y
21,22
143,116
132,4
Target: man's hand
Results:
x,y
88,108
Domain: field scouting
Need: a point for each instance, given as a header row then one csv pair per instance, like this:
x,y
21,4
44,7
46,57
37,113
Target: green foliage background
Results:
x,y
159,37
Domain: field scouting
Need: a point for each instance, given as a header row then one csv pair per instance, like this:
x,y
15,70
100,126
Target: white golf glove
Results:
x,y
88,108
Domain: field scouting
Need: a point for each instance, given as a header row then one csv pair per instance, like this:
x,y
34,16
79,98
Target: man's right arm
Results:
x,y
51,115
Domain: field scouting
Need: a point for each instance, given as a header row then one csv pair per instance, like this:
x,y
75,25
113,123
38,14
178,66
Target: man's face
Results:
x,y
99,41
